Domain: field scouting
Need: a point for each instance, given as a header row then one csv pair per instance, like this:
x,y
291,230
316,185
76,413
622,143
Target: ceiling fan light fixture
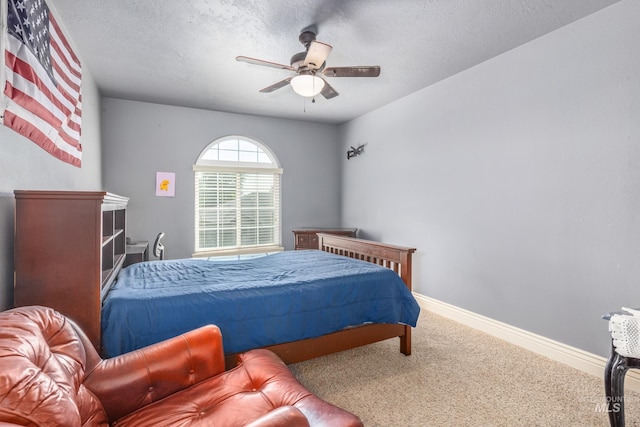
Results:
x,y
307,85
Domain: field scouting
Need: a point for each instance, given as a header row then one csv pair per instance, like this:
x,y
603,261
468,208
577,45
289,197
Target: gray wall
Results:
x,y
517,180
26,166
141,139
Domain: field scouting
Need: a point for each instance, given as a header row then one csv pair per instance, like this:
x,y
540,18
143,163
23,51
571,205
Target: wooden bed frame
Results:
x,y
396,258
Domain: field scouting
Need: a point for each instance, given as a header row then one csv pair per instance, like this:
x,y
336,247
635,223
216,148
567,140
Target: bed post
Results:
x,y
405,273
405,266
405,341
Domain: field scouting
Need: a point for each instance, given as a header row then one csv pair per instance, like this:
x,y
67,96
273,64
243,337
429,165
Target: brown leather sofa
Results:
x,y
51,375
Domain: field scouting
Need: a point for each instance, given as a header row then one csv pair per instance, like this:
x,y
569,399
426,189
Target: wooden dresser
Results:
x,y
307,238
69,247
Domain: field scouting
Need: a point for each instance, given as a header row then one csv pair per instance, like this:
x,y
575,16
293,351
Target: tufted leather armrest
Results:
x,y
128,382
289,416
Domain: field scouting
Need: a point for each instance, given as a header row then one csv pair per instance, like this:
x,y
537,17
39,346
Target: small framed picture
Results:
x,y
165,184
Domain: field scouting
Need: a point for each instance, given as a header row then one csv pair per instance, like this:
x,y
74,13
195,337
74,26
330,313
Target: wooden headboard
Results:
x,y
396,258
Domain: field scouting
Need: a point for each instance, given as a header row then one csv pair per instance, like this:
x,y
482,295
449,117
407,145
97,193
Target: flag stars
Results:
x,y
20,6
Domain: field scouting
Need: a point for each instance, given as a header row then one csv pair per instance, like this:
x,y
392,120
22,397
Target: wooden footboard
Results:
x,y
396,258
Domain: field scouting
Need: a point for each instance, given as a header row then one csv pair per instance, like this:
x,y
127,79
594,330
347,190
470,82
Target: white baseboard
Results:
x,y
570,356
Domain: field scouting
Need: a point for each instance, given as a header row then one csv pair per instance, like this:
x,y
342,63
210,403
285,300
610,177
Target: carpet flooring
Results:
x,y
458,376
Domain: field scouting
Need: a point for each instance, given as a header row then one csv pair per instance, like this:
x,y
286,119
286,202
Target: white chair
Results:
x,y
158,248
625,354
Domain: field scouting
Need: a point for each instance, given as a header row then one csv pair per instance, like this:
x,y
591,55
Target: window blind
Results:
x,y
237,209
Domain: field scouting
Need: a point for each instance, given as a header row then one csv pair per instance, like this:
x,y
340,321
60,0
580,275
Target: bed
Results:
x,y
299,304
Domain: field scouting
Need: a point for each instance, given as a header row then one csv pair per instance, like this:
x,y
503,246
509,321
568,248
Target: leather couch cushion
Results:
x,y
43,369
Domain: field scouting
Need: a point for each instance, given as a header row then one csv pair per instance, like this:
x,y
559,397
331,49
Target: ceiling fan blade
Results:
x,y
328,92
317,54
373,71
276,86
255,61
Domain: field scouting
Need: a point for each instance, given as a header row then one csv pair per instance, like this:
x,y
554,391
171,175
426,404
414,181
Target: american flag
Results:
x,y
43,78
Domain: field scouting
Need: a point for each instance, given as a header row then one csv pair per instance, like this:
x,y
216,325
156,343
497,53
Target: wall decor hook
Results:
x,y
355,151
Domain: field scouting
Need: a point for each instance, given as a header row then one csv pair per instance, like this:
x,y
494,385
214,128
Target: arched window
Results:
x,y
237,183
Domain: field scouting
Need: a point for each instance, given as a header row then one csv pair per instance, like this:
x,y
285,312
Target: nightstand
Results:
x,y
136,252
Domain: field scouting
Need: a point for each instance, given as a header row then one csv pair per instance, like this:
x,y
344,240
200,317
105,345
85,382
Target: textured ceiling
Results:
x,y
183,52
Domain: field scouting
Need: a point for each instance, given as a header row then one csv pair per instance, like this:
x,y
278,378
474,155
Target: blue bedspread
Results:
x,y
279,298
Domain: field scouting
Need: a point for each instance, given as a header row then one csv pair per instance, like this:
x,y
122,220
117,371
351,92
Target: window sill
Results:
x,y
238,251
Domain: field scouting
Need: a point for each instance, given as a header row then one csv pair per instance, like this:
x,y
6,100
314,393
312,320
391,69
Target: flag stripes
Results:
x,y
43,81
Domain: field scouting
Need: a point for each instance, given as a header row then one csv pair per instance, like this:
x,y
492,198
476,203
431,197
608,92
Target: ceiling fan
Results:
x,y
307,65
